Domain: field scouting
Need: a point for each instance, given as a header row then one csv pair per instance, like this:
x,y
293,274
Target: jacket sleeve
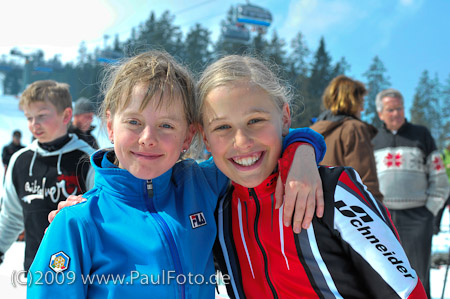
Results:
x,y
5,155
371,241
438,185
307,135
63,260
359,155
11,216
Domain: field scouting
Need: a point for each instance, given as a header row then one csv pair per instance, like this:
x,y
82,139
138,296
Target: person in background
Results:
x,y
54,166
348,139
412,179
10,149
83,115
7,152
446,159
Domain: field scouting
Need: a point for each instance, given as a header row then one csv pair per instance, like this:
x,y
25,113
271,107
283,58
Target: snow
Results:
x,y
10,272
441,243
11,283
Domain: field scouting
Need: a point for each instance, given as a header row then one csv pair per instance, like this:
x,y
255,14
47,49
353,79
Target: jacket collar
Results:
x,y
263,189
327,115
401,129
123,183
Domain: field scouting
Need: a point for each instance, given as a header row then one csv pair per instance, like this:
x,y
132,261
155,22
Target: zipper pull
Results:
x,y
252,193
150,188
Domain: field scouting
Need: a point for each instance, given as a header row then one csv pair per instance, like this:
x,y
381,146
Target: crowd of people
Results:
x,y
260,209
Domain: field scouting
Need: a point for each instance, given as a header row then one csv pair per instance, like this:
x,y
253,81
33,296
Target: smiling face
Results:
x,y
147,143
45,122
243,129
393,113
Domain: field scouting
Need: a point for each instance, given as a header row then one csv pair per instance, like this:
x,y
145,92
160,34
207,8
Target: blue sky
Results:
x,y
409,36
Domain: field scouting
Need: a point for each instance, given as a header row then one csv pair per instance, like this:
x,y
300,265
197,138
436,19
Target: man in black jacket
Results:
x,y
83,114
11,148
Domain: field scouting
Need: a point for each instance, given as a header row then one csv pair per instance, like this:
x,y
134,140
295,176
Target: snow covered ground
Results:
x,y
12,283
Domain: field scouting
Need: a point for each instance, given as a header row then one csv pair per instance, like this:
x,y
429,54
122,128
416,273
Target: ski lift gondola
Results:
x,y
235,32
254,15
110,56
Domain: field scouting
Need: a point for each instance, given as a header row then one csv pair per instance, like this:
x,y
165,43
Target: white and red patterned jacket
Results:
x,y
410,170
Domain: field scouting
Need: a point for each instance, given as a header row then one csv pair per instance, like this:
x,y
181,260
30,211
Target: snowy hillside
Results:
x,y
12,118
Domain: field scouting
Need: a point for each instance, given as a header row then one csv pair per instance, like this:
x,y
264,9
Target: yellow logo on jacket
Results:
x,y
59,262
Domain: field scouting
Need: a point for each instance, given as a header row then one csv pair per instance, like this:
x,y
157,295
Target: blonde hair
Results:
x,y
157,69
232,68
344,96
56,93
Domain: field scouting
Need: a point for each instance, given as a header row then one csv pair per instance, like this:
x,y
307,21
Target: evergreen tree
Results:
x,y
159,34
298,58
321,74
376,82
131,44
274,51
445,100
196,52
82,53
117,47
341,67
427,107
258,45
13,76
298,77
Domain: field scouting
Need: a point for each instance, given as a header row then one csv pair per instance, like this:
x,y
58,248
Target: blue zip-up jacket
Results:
x,y
134,237
127,231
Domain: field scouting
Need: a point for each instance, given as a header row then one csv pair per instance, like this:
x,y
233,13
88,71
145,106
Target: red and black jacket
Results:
x,y
352,252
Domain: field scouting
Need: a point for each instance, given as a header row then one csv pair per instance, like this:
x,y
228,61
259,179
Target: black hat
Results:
x,y
83,105
17,134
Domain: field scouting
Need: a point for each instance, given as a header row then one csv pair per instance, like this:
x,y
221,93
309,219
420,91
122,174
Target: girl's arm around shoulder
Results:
x,y
307,135
63,260
299,186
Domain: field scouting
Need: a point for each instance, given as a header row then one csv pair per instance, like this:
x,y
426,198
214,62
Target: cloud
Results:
x,y
315,17
406,2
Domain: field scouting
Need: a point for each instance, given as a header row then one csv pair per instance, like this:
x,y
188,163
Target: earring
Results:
x,y
183,151
112,141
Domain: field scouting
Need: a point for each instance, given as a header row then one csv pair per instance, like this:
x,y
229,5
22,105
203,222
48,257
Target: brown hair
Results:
x,y
344,95
162,74
47,91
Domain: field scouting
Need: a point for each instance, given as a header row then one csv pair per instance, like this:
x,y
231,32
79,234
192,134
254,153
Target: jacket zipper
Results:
x,y
167,234
266,270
